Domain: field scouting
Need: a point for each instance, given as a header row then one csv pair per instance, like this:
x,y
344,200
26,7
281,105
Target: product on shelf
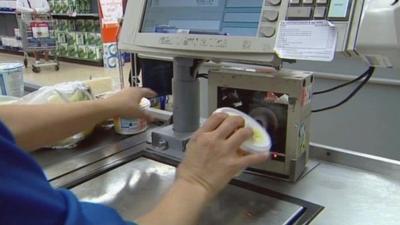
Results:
x,y
80,25
61,37
110,56
72,51
80,38
94,52
82,52
62,49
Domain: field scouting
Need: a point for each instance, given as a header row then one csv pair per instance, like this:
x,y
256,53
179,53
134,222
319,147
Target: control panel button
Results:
x,y
309,2
271,15
324,2
268,31
274,2
319,12
294,2
299,12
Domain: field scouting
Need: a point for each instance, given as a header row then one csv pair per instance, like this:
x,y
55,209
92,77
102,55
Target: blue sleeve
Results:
x,y
27,198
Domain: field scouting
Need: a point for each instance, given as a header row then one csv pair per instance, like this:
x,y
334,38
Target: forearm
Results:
x,y
182,205
36,126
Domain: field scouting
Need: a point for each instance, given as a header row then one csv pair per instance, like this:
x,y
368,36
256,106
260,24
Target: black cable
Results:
x,y
345,84
371,71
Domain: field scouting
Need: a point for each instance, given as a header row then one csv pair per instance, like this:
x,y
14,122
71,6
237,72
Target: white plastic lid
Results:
x,y
260,142
10,66
145,103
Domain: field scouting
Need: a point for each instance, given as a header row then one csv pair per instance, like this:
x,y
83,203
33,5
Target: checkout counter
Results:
x,y
130,176
306,183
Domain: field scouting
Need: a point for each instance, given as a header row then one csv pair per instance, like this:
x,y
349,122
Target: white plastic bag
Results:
x,y
61,93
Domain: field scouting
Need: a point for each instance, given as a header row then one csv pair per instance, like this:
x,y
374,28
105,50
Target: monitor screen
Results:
x,y
215,17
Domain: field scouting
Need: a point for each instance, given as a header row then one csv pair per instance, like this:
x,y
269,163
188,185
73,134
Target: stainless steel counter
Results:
x,y
350,196
135,188
119,176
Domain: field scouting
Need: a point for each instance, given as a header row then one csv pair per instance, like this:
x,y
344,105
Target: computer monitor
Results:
x,y
246,30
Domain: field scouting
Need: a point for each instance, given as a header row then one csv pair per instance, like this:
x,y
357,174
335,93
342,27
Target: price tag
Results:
x,y
306,40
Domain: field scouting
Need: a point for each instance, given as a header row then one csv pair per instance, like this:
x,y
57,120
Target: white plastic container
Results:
x,y
260,142
127,126
12,79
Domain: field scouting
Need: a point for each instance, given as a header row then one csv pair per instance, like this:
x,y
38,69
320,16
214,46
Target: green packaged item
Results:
x,y
51,4
96,26
62,25
89,38
71,25
80,38
93,39
70,38
72,51
80,25
99,41
72,6
61,37
94,53
62,49
56,6
82,52
82,6
89,24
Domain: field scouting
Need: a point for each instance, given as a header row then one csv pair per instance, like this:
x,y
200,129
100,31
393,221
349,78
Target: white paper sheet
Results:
x,y
306,40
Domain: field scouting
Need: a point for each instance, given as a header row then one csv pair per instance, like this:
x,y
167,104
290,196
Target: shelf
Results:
x,y
81,61
11,51
7,12
77,16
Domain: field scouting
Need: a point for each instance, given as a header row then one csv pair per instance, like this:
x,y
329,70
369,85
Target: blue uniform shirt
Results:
x,y
26,197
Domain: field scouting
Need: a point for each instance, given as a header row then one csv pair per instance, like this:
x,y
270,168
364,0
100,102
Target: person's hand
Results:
x,y
213,155
126,103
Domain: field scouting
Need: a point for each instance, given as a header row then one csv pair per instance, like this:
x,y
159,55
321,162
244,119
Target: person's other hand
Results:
x,y
213,155
126,103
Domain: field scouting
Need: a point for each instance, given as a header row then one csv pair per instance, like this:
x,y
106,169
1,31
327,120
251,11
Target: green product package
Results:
x,y
70,38
80,25
89,24
62,49
82,52
99,41
64,6
80,38
94,53
61,37
56,6
72,51
71,6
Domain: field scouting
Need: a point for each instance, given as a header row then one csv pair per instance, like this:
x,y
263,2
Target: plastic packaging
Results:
x,y
260,142
12,79
61,93
126,126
